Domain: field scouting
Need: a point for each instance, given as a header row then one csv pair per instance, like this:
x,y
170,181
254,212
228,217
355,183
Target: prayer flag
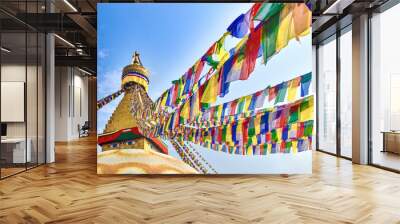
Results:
x,y
247,100
257,124
264,123
305,84
260,99
251,53
164,99
293,114
188,81
224,84
308,128
218,112
281,92
300,130
233,107
252,105
294,146
302,19
272,93
251,129
292,91
293,131
240,26
238,53
185,110
220,49
267,10
307,109
210,91
269,35
253,12
241,105
285,133
234,134
194,106
169,97
286,27
197,69
228,134
274,135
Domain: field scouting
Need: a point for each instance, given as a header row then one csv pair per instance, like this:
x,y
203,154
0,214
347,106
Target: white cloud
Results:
x,y
102,53
108,83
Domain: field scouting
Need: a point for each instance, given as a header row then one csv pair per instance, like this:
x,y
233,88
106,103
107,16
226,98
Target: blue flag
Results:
x,y
240,26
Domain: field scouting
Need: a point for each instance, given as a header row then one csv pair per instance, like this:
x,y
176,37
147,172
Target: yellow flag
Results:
x,y
257,123
228,134
164,100
294,146
185,110
293,130
286,27
219,111
249,150
302,19
292,90
269,148
247,102
220,49
307,109
279,134
195,105
254,140
210,92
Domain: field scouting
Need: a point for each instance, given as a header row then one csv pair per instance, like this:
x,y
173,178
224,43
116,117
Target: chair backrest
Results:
x,y
86,124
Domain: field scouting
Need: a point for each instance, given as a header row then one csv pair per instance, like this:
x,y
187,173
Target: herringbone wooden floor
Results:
x,y
69,191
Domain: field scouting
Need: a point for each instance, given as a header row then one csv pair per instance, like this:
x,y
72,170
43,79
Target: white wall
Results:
x,y
71,102
33,126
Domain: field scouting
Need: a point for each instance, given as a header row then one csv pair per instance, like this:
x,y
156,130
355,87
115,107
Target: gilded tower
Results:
x,y
124,149
122,130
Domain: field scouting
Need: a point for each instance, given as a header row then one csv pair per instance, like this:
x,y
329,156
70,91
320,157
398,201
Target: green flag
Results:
x,y
269,36
308,128
267,10
294,114
281,92
240,105
274,135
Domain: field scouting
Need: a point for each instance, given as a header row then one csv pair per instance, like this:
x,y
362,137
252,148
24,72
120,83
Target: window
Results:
x,y
22,77
327,96
346,93
385,89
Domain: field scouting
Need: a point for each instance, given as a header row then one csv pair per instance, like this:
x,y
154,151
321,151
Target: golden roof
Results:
x,y
135,72
136,66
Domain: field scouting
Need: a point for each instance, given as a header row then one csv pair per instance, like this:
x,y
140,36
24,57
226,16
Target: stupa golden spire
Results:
x,y
124,147
135,73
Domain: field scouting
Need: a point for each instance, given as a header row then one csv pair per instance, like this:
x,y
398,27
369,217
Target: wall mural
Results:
x,y
245,104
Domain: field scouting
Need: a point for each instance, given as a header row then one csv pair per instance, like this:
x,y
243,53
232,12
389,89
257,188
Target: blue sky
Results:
x,y
170,38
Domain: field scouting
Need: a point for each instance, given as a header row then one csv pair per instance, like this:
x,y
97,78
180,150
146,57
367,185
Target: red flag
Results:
x,y
251,53
300,130
233,107
283,146
253,13
245,125
271,93
198,68
219,134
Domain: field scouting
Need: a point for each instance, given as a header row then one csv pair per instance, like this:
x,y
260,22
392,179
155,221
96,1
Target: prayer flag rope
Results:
x,y
104,101
287,128
278,23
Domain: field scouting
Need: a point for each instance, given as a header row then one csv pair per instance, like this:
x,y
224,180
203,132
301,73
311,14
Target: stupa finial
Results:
x,y
136,59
